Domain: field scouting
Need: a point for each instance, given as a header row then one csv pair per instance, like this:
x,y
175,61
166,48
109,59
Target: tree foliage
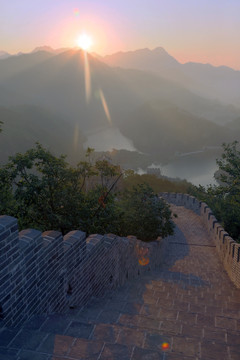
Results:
x,y
224,199
144,214
45,192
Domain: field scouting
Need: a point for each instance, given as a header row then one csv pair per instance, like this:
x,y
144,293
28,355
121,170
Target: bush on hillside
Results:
x,y
44,192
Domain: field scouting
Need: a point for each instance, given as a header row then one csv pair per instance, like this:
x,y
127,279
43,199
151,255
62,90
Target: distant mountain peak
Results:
x,y
49,49
142,59
4,54
43,48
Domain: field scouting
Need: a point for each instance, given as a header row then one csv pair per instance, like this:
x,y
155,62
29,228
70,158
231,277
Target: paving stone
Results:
x,y
133,308
154,341
89,313
56,324
8,354
86,349
115,305
194,308
233,338
105,332
193,331
7,335
215,335
205,320
180,305
167,314
235,352
171,327
116,352
213,310
146,354
30,355
35,322
26,339
226,323
108,316
172,356
186,346
56,344
131,337
79,330
128,320
187,318
148,323
151,310
212,350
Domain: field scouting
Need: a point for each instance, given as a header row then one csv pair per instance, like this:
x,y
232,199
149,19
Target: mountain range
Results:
x,y
222,82
163,106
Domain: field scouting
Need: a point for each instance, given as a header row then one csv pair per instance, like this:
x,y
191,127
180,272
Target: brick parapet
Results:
x,y
227,248
46,272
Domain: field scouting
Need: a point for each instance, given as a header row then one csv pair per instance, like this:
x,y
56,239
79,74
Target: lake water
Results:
x,y
108,139
196,168
192,168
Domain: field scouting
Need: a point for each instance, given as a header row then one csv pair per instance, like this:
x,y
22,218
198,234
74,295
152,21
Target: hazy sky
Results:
x,y
190,30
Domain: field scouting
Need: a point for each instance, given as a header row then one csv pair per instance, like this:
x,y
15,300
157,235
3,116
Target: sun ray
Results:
x,y
105,106
87,76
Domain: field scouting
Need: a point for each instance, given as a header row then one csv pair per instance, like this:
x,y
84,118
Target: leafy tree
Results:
x,y
45,188
224,199
45,192
144,214
0,125
107,171
157,184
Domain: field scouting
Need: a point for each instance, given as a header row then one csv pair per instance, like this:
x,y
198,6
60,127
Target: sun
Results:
x,y
85,42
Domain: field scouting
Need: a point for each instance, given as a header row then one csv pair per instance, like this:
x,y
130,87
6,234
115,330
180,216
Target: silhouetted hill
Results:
x,y
234,125
49,49
136,101
25,125
220,82
58,82
4,55
14,65
142,59
162,128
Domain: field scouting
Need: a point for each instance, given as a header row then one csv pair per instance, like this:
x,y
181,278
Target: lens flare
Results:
x,y
87,76
105,106
142,258
143,261
165,346
76,12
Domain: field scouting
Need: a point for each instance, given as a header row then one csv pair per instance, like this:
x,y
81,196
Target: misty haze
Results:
x,y
143,101
119,180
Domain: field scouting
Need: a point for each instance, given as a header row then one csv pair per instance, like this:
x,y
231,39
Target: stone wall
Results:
x,y
46,272
227,248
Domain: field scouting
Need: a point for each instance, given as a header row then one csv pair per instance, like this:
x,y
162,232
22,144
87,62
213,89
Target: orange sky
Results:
x,y
190,30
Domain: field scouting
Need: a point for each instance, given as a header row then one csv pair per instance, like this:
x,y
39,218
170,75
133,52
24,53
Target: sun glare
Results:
x,y
84,42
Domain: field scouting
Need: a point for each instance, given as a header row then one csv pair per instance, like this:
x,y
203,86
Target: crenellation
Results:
x,y
47,272
227,248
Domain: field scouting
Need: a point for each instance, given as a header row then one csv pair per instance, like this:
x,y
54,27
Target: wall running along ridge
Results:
x,y
227,248
46,272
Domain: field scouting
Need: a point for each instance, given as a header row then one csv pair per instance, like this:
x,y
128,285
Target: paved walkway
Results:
x,y
190,304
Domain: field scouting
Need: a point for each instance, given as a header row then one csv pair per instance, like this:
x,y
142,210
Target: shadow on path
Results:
x,y
175,248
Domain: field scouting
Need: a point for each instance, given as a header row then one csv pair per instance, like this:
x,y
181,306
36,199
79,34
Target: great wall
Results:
x,y
46,273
